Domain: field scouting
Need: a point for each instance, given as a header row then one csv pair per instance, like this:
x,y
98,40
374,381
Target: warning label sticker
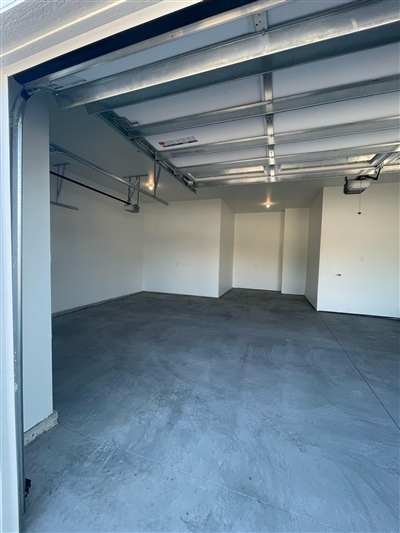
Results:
x,y
178,142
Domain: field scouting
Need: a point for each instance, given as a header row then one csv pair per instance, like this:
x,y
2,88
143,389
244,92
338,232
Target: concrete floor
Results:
x,y
251,413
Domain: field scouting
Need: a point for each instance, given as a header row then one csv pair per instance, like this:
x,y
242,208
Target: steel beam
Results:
x,y
221,146
326,155
289,103
348,29
49,81
222,182
260,178
294,159
121,126
148,150
351,128
356,166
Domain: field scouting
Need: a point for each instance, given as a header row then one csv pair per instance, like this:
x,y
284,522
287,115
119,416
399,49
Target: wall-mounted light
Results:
x,y
150,187
268,205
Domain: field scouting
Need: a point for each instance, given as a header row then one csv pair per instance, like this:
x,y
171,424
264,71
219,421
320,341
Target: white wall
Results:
x,y
364,249
96,252
313,253
36,287
257,262
182,247
295,244
226,249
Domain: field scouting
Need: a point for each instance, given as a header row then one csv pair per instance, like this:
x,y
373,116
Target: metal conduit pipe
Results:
x,y
16,142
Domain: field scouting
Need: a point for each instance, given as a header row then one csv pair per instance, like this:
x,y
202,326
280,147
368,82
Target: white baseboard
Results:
x,y
41,427
94,304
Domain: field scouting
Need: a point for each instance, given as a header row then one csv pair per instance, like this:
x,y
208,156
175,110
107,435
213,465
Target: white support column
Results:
x,y
36,278
295,244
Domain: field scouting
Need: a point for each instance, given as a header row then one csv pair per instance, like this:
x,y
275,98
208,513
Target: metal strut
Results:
x,y
58,149
61,177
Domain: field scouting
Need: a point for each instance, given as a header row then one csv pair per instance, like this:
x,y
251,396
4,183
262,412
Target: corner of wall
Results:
x,y
294,253
313,250
226,249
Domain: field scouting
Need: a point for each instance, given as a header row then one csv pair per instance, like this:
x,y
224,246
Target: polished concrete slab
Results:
x,y
249,413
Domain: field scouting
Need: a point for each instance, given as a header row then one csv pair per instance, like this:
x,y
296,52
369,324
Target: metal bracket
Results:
x,y
125,127
260,21
269,127
60,170
157,173
54,148
16,159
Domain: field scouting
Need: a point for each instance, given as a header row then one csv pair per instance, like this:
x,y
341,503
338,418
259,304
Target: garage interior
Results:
x,y
211,292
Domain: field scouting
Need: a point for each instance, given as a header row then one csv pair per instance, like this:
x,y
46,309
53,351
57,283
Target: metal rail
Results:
x,y
172,35
85,187
16,141
229,166
58,149
120,125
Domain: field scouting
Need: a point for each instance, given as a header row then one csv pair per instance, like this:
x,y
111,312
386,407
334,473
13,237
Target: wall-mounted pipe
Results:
x,y
59,149
16,142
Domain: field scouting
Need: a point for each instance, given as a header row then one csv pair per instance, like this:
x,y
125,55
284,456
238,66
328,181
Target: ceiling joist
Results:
x,y
340,93
364,126
348,29
260,154
366,152
172,31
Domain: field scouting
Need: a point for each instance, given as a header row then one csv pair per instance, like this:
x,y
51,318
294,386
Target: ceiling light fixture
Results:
x,y
268,205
